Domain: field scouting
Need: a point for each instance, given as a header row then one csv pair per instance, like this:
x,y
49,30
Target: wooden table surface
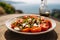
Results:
x,y
6,34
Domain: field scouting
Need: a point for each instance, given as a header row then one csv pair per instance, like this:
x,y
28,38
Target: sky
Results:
x,y
36,1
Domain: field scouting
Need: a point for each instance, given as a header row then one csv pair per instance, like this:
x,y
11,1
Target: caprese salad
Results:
x,y
31,23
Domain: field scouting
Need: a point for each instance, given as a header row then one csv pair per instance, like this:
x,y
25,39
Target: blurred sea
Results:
x,y
33,8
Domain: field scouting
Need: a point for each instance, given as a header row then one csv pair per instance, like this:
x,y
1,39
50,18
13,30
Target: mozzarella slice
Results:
x,y
29,19
23,24
20,27
16,28
27,26
35,24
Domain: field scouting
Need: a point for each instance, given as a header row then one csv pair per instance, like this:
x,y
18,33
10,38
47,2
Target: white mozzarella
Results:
x,y
27,26
29,19
35,24
16,28
24,24
20,27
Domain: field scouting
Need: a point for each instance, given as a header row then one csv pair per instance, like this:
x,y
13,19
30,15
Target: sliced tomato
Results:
x,y
33,16
25,30
12,26
46,21
38,29
20,20
49,23
35,29
44,27
25,16
34,26
42,18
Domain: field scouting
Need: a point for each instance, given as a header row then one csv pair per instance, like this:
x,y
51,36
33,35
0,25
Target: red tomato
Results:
x,y
34,26
38,29
25,16
25,30
33,16
35,29
44,27
42,18
12,26
20,20
49,23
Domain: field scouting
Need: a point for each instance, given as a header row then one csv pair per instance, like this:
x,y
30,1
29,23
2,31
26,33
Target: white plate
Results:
x,y
8,23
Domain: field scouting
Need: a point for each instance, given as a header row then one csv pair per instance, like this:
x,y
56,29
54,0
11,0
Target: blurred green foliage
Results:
x,y
56,13
7,7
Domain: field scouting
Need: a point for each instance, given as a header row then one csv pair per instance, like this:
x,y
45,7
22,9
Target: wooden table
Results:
x,y
6,34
